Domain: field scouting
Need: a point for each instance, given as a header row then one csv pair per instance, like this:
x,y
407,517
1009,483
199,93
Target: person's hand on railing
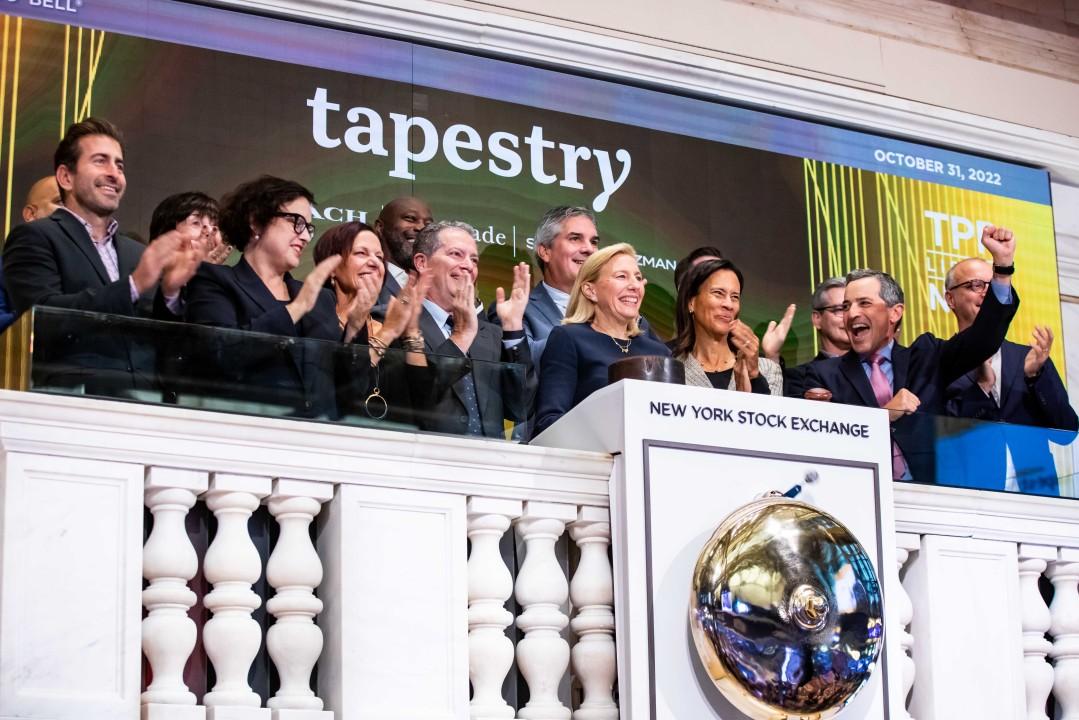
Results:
x,y
312,285
511,310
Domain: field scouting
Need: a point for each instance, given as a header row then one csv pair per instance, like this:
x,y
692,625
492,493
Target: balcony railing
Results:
x,y
335,567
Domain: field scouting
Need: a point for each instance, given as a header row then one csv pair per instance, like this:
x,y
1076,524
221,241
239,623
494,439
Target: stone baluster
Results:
x,y
906,544
1064,627
592,594
490,652
542,654
294,570
168,563
1037,672
232,637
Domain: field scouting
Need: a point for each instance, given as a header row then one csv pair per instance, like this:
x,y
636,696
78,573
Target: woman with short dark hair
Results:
x,y
269,221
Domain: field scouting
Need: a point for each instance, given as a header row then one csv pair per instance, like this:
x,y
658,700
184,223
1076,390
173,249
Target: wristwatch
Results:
x,y
1004,269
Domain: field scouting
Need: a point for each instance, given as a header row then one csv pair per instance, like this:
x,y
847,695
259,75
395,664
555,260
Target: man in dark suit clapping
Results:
x,y
76,259
471,398
1018,385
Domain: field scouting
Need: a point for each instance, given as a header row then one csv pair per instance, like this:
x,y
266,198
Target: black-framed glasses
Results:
x,y
975,285
299,222
834,309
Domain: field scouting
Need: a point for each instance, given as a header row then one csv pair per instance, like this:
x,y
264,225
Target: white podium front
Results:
x,y
688,456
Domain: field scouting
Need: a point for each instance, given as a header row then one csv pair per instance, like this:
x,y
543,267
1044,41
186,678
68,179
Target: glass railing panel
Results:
x,y
179,364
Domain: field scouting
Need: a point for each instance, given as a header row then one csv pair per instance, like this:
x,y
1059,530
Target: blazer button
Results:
x,y
463,418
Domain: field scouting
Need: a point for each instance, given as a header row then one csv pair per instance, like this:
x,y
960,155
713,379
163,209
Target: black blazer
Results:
x,y
973,453
53,262
926,368
503,392
298,376
794,378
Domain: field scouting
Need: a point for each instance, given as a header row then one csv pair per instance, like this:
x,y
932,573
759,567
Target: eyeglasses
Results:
x,y
975,285
203,223
834,309
299,222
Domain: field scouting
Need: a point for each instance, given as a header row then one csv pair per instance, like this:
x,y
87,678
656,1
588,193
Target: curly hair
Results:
x,y
253,204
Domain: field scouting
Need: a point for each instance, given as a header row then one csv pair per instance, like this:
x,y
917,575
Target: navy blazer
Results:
x,y
926,368
972,454
503,392
575,366
297,376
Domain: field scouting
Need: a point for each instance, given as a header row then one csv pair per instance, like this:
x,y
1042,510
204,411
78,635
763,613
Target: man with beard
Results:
x,y
76,259
397,226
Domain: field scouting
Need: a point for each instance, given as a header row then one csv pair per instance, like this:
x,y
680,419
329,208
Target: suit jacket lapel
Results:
x,y
545,304
74,230
851,367
1012,359
900,366
127,256
252,285
432,333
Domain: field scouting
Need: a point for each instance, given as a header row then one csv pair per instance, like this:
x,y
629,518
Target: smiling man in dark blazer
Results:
x,y
76,259
471,398
1017,385
911,381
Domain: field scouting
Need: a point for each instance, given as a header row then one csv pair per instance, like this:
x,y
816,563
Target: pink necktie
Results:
x,y
882,390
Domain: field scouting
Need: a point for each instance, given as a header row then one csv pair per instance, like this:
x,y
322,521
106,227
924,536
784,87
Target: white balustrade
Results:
x,y
232,637
542,590
169,562
1064,627
490,652
906,544
592,595
1037,672
294,571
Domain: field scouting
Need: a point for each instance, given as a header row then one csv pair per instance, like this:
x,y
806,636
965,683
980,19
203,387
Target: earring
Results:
x,y
257,236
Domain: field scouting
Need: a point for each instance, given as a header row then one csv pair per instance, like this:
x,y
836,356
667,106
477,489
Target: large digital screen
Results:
x,y
209,98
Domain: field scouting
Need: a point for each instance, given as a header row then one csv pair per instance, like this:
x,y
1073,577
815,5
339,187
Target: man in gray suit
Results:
x,y
566,236
471,398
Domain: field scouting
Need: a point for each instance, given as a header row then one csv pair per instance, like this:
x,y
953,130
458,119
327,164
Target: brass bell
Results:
x,y
786,611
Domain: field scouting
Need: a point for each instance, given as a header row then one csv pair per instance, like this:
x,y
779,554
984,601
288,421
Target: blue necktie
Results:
x,y
466,387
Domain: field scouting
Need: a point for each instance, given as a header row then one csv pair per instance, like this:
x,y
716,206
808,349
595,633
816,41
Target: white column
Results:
x,y
592,594
232,637
168,563
294,571
905,545
542,655
490,652
71,535
1064,627
1037,672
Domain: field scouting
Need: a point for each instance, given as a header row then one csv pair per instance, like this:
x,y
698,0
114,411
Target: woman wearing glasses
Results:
x,y
719,350
269,221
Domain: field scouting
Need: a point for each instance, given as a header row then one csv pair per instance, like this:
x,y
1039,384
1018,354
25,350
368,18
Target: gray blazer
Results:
x,y
770,370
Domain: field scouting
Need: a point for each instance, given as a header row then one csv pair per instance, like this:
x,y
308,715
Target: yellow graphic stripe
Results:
x,y
11,125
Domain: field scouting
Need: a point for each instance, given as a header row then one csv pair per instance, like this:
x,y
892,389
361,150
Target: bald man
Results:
x,y
397,225
1017,385
42,200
